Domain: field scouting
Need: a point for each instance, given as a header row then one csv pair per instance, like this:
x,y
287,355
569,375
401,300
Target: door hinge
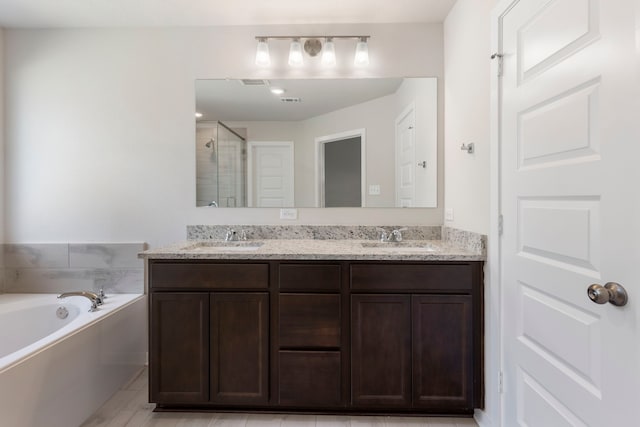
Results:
x,y
500,57
500,383
500,225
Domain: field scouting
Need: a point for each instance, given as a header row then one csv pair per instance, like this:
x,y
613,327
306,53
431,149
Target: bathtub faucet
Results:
x,y
93,297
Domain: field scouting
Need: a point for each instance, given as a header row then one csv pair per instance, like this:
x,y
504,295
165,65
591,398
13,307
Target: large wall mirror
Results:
x,y
316,142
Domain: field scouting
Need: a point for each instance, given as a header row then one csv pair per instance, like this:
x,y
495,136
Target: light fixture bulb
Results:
x,y
295,54
262,54
276,91
329,53
362,53
198,115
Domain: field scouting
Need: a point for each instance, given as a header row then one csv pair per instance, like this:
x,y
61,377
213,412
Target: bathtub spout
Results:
x,y
93,297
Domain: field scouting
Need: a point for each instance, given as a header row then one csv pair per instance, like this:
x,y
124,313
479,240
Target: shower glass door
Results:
x,y
221,166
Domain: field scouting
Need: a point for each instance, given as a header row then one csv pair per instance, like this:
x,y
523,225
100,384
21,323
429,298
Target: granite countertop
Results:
x,y
312,249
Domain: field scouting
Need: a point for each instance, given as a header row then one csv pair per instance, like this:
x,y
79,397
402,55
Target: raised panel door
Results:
x,y
239,348
381,350
179,348
442,351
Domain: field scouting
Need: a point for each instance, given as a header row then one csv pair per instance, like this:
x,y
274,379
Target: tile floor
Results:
x,y
129,408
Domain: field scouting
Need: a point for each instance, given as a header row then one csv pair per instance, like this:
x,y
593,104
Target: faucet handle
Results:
x,y
101,296
384,236
397,234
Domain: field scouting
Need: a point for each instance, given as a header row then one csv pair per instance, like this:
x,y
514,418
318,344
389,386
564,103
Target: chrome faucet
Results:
x,y
393,236
91,296
213,204
396,235
233,236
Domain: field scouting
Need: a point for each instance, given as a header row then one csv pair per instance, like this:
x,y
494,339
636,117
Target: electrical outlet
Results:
x,y
289,213
448,214
374,190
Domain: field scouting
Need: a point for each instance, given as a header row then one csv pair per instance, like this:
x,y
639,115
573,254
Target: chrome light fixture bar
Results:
x,y
312,46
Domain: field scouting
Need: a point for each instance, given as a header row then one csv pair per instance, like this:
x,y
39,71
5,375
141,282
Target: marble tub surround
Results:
x,y
61,267
312,232
316,249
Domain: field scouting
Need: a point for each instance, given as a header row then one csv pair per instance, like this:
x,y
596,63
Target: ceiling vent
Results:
x,y
290,99
254,82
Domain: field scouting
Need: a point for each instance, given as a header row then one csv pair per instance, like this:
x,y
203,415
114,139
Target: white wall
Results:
x,y
466,90
2,167
100,126
467,36
2,133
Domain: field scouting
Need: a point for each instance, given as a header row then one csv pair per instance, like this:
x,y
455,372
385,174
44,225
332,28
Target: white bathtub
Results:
x,y
55,372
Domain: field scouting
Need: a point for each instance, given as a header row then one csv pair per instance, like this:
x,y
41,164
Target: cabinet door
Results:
x,y
239,348
309,379
442,352
381,350
309,321
179,363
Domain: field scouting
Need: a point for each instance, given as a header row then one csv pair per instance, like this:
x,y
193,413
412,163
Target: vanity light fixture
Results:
x,y
362,53
198,115
276,91
329,53
262,53
312,46
295,53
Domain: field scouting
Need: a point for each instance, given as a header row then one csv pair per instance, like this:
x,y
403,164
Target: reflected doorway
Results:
x,y
271,174
340,169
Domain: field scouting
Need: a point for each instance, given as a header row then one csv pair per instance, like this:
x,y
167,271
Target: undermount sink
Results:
x,y
225,246
404,246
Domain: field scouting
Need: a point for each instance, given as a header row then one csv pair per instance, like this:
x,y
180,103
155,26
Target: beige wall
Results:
x,y
100,126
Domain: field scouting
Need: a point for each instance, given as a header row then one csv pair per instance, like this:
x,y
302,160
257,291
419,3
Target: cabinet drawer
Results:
x,y
411,277
308,277
309,321
209,276
309,378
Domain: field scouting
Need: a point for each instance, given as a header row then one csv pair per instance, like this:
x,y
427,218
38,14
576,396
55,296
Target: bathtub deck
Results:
x,y
129,408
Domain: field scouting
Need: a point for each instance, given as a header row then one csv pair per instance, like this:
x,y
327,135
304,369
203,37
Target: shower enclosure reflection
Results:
x,y
221,167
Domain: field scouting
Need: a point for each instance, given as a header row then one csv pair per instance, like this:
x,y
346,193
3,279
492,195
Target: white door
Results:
x,y
271,174
406,159
569,183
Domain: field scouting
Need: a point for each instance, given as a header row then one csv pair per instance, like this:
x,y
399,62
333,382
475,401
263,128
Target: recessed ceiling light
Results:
x,y
277,91
198,115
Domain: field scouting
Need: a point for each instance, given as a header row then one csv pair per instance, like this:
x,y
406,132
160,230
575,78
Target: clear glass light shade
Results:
x,y
262,54
329,54
295,54
362,54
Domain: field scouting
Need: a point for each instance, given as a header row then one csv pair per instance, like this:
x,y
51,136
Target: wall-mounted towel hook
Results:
x,y
469,148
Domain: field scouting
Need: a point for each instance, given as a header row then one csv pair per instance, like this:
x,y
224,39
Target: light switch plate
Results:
x,y
448,214
374,190
289,213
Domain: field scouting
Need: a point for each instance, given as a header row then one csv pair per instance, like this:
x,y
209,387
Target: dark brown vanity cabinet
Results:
x,y
416,336
342,336
209,347
310,335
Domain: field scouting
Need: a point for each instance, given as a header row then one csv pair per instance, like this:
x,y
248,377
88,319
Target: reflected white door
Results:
x,y
406,159
569,174
271,174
